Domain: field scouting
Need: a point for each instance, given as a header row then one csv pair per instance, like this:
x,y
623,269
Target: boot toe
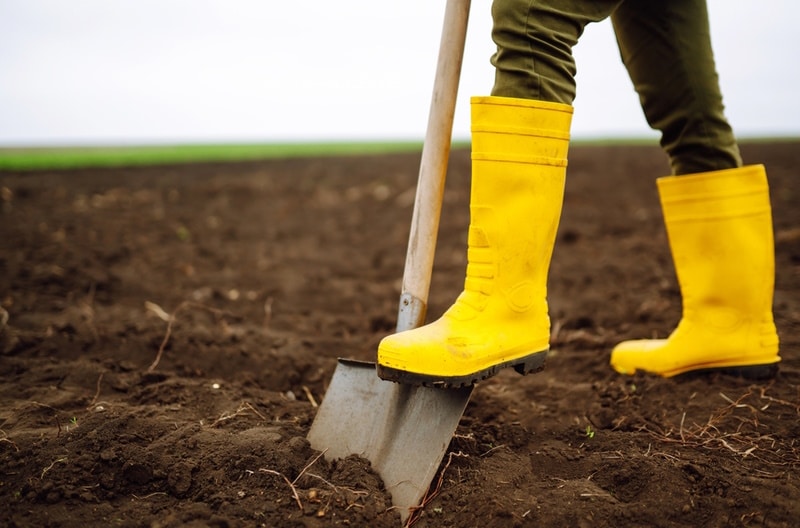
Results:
x,y
631,356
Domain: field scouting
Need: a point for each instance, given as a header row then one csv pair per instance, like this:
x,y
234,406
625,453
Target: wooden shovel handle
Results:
x,y
433,169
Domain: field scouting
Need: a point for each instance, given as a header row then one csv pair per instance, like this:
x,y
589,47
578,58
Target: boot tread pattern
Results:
x,y
525,365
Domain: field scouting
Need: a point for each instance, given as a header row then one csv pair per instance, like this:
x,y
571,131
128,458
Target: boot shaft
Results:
x,y
519,150
720,230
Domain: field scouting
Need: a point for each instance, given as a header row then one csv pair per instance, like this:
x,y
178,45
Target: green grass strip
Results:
x,y
53,158
49,158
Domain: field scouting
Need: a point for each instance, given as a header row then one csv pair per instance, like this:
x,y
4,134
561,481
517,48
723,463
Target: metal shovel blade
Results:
x,y
402,430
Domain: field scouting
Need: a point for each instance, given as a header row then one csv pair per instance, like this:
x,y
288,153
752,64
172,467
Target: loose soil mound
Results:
x,y
166,334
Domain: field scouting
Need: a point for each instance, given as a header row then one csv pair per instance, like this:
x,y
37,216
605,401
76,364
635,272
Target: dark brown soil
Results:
x,y
252,278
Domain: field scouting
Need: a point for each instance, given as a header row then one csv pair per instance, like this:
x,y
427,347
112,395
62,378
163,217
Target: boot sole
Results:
x,y
749,372
525,365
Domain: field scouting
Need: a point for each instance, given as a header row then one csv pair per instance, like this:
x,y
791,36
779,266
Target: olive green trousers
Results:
x,y
664,44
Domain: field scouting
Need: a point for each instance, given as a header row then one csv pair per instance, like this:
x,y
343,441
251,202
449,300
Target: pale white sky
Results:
x,y
156,71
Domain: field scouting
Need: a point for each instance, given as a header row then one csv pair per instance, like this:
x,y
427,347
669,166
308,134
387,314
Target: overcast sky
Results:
x,y
156,71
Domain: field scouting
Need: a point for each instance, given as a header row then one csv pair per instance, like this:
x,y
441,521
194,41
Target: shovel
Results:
x,y
404,430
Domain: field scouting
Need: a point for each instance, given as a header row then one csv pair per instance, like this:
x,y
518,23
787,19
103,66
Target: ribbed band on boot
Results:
x,y
721,194
502,130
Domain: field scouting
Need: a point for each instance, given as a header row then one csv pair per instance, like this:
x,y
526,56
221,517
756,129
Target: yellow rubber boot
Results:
x,y
519,150
720,231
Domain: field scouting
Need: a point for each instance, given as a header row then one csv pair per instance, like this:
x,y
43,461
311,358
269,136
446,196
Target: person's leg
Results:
x,y
717,213
520,137
666,47
534,45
